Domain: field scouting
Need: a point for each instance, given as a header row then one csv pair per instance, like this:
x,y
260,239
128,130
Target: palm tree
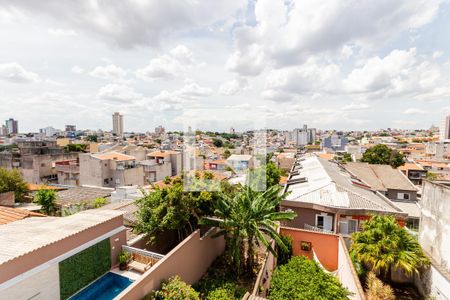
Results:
x,y
249,217
383,244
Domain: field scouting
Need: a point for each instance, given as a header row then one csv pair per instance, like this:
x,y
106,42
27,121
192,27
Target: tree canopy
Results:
x,y
302,278
383,244
249,217
12,181
47,200
383,155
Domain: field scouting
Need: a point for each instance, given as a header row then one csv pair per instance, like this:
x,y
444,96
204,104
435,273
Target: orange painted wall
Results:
x,y
325,245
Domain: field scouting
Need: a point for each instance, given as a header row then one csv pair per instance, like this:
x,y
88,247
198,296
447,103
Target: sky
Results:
x,y
212,65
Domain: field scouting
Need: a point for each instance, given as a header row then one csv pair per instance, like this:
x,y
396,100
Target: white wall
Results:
x,y
346,275
41,286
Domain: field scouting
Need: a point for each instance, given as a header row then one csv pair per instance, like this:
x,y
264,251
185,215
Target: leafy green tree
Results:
x,y
175,289
174,208
12,181
273,175
47,200
302,278
75,148
383,155
284,255
248,218
218,143
99,202
344,157
226,153
383,244
91,138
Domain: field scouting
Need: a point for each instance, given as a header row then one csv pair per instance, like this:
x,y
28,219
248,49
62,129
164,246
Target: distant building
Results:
x,y
71,128
117,124
161,164
12,126
160,130
110,169
240,162
3,130
232,130
302,136
444,131
49,131
335,142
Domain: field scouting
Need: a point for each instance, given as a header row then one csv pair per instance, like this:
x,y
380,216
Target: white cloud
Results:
x,y
77,69
109,72
13,72
59,32
119,93
167,66
289,32
234,86
356,106
131,23
414,111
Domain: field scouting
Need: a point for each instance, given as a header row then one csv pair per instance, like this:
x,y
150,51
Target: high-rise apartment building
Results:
x,y
117,124
159,130
444,131
303,136
71,128
12,126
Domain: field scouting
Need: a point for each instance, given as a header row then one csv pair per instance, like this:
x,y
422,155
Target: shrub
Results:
x,y
47,200
301,278
176,289
99,202
285,255
376,289
12,181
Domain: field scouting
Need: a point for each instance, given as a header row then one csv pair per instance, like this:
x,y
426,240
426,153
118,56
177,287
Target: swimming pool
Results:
x,y
105,288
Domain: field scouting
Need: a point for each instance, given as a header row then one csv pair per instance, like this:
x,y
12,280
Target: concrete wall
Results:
x,y
190,260
7,199
40,286
434,230
91,170
434,282
325,245
346,272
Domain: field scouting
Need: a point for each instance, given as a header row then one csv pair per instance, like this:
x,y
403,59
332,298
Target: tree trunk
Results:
x,y
250,255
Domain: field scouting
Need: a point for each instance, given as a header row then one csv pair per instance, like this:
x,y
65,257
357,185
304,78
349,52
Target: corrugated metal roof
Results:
x,y
27,235
330,185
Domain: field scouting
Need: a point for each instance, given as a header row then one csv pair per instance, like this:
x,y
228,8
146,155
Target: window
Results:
x,y
352,226
402,196
324,222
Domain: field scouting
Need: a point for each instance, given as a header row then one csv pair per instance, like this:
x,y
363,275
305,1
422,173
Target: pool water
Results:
x,y
105,288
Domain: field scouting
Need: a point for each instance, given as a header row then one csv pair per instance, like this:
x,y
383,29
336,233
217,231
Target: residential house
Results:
x,y
68,172
240,162
393,184
328,198
414,172
285,160
110,169
384,179
161,164
38,262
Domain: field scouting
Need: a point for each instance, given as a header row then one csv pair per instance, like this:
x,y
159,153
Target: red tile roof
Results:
x,y
10,214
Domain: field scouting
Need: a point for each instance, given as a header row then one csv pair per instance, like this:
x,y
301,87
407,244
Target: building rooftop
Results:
x,y
76,195
411,167
162,153
326,183
240,157
27,235
113,155
380,177
11,214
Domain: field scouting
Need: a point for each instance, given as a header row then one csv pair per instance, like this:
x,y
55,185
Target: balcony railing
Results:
x,y
314,228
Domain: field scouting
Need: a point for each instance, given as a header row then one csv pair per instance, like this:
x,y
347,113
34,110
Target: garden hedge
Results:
x,y
84,267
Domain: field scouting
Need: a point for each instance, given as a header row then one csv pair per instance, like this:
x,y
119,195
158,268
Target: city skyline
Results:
x,y
390,72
